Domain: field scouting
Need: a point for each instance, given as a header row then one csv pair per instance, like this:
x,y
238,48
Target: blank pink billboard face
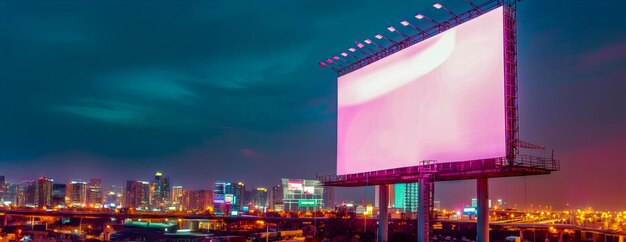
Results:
x,y
441,99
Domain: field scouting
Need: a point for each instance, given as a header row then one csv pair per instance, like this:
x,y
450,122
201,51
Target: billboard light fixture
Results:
x,y
361,45
407,23
370,42
439,6
393,29
422,16
380,36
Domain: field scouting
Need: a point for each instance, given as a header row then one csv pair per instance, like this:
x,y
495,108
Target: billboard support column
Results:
x,y
426,192
482,223
383,214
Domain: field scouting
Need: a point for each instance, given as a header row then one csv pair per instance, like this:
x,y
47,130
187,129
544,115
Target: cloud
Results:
x,y
250,153
150,83
610,53
105,110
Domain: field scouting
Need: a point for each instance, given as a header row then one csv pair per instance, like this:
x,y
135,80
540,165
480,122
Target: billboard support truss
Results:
x,y
510,72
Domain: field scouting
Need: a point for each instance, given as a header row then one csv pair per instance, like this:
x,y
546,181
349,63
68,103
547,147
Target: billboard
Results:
x,y
295,186
230,199
307,203
441,99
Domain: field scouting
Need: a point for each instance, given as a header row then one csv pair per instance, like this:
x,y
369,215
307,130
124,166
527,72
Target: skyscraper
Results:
x,y
238,192
260,198
177,196
137,195
329,197
44,192
411,195
161,190
94,193
4,190
198,200
59,192
228,197
76,192
276,196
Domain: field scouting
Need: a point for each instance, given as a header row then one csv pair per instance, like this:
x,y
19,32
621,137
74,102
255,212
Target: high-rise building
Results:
x,y
94,193
329,197
23,194
411,195
4,189
248,199
114,197
302,195
76,193
58,195
238,192
177,196
30,193
44,192
137,195
276,196
402,196
260,198
161,191
228,197
198,200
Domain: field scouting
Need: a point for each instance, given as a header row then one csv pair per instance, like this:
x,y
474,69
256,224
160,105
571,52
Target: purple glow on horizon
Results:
x,y
441,99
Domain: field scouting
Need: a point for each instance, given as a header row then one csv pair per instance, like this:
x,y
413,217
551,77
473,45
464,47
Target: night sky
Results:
x,y
231,90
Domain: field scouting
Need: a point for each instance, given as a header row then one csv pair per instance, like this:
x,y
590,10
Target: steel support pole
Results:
x,y
482,223
425,206
383,218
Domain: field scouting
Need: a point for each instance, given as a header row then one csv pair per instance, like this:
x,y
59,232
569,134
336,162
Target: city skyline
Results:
x,y
206,94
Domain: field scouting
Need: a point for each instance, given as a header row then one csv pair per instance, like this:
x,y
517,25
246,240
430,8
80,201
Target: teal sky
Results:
x,y
217,90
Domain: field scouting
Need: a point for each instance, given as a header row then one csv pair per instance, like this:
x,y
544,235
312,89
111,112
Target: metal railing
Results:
x,y
547,164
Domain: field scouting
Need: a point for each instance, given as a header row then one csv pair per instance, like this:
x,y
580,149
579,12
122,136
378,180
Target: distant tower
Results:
x,y
177,196
162,190
94,193
137,195
76,193
44,192
260,198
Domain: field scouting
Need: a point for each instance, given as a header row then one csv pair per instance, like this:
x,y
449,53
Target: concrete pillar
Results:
x,y
383,213
521,234
482,223
560,235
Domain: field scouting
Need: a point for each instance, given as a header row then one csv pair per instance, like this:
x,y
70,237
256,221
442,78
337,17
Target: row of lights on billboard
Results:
x,y
391,29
